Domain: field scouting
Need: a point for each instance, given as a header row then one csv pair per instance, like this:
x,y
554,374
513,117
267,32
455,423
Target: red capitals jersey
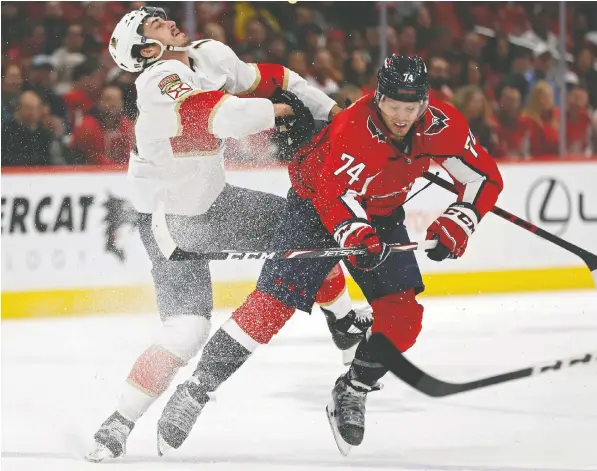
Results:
x,y
353,170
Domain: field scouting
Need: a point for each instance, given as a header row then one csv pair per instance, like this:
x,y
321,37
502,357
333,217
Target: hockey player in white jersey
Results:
x,y
191,97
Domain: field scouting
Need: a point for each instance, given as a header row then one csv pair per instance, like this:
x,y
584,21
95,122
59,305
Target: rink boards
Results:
x,y
70,246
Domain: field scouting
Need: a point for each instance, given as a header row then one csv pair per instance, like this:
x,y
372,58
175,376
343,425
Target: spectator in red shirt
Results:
x,y
472,103
578,123
511,128
542,120
104,136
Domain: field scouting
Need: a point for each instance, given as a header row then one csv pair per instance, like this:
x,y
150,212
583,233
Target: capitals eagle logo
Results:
x,y
439,121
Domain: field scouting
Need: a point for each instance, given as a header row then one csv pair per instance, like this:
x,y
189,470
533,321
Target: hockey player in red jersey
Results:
x,y
348,187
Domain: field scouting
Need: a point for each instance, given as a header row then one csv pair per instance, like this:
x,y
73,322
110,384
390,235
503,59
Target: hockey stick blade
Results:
x,y
386,353
590,259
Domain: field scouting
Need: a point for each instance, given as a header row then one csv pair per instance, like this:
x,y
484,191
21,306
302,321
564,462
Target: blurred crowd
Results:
x,y
64,101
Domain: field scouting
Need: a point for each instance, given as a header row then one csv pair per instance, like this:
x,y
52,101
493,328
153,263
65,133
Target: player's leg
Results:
x,y
248,219
283,287
183,291
391,290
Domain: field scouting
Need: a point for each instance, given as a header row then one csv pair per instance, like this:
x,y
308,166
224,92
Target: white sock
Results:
x,y
339,306
133,402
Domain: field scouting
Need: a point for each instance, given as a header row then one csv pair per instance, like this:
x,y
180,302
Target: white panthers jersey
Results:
x,y
185,113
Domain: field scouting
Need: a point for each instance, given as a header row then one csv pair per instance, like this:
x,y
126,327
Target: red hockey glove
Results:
x,y
452,230
362,235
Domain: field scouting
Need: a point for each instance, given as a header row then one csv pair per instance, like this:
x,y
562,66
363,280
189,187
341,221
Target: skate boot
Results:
x,y
110,439
348,331
346,412
179,416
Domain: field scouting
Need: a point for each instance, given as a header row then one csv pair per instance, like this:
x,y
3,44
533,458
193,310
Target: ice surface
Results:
x,y
61,379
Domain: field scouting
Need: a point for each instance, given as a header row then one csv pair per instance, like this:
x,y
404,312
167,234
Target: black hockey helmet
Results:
x,y
403,78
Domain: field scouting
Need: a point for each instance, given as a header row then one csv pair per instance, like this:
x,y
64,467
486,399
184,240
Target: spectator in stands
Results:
x,y
14,23
87,84
584,67
54,25
439,75
68,57
408,40
310,39
540,36
25,141
126,82
542,121
357,68
578,123
41,80
511,128
214,31
522,65
255,40
543,68
105,135
323,76
34,43
277,50
297,61
12,84
336,45
472,103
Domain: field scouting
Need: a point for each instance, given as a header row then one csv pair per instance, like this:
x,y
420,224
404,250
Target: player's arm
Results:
x,y
479,183
345,177
261,80
178,108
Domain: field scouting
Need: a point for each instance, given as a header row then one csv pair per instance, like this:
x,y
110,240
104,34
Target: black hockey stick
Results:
x,y
396,362
172,252
590,259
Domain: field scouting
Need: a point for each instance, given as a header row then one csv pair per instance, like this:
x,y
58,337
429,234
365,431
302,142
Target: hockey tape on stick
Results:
x,y
590,259
386,353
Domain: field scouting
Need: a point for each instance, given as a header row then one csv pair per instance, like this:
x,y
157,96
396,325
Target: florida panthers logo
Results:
x,y
119,213
375,131
439,121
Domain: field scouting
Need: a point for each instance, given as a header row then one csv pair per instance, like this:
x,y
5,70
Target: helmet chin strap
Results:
x,y
164,48
177,48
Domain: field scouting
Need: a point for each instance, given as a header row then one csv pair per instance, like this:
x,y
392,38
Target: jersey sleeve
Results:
x,y
344,180
474,171
171,106
261,80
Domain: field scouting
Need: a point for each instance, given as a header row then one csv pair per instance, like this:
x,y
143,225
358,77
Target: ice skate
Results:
x,y
349,330
110,439
346,412
179,416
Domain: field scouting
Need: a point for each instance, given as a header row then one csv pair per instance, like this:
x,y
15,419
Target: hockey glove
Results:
x,y
452,230
361,235
292,132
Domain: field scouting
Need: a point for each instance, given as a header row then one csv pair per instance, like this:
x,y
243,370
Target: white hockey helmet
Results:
x,y
127,40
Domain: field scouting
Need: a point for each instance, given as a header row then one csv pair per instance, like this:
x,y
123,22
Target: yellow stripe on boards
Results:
x,y
134,299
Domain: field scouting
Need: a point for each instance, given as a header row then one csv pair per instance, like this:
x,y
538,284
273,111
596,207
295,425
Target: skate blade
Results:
x,y
343,447
163,447
100,454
